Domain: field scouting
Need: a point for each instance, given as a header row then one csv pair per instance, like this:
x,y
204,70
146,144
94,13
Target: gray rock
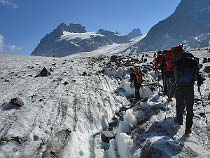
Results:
x,y
163,148
107,135
207,69
17,102
44,73
205,60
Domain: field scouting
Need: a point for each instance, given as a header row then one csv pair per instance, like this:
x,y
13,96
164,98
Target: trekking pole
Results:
x,y
159,88
199,90
158,83
169,96
167,103
166,109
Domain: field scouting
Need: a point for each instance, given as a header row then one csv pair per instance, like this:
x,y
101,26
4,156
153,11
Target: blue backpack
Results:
x,y
186,68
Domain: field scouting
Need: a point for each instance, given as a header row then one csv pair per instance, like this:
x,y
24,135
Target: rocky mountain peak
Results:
x,y
187,24
74,28
134,33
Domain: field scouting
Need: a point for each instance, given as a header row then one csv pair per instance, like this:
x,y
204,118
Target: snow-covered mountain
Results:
x,y
135,33
73,38
84,108
189,24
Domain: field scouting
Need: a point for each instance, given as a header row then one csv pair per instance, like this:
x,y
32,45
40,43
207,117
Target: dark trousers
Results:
x,y
170,84
185,99
164,81
137,88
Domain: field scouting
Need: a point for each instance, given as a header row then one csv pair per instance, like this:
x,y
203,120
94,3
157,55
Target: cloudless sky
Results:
x,y
24,22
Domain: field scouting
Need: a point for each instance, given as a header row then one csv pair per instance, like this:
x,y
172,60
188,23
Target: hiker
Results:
x,y
169,74
186,72
136,78
160,63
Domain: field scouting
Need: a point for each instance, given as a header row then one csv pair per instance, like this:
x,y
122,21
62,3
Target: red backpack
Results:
x,y
169,61
177,51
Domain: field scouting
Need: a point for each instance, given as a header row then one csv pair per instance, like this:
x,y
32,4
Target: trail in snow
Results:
x,y
144,132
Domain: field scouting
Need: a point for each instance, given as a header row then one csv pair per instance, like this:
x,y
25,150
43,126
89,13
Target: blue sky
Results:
x,y
24,22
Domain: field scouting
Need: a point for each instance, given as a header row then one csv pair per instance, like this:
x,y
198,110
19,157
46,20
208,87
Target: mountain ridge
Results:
x,y
188,23
73,38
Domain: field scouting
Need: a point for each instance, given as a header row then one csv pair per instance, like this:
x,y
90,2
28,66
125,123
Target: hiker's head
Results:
x,y
137,67
131,69
159,52
177,51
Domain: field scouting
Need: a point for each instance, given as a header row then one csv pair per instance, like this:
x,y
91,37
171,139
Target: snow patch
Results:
x,y
70,36
124,145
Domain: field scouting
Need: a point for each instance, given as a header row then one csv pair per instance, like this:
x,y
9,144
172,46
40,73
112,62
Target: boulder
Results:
x,y
145,60
205,60
207,69
113,58
160,147
107,135
65,83
84,74
17,102
44,73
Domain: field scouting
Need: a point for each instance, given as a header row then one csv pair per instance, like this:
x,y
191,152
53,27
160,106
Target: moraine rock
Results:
x,y
17,102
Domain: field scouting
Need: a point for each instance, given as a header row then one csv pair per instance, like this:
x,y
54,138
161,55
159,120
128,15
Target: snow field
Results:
x,y
70,36
54,112
61,120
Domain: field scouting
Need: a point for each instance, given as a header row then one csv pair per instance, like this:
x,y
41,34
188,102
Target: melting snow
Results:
x,y
64,113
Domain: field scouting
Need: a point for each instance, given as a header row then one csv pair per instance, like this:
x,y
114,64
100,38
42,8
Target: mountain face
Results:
x,y
189,24
73,38
134,33
69,39
114,37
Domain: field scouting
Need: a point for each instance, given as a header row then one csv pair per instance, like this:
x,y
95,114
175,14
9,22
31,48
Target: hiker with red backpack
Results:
x,y
136,78
186,72
169,74
160,63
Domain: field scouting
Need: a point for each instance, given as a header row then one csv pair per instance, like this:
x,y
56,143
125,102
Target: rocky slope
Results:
x,y
189,24
73,38
134,33
85,100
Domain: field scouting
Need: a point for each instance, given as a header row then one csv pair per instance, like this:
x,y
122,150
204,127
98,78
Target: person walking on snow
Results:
x,y
186,73
160,63
136,78
169,75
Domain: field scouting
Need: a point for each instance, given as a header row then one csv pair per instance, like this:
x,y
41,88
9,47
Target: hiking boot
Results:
x,y
169,99
187,131
178,122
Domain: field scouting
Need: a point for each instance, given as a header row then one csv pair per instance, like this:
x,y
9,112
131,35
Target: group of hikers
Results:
x,y
179,70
